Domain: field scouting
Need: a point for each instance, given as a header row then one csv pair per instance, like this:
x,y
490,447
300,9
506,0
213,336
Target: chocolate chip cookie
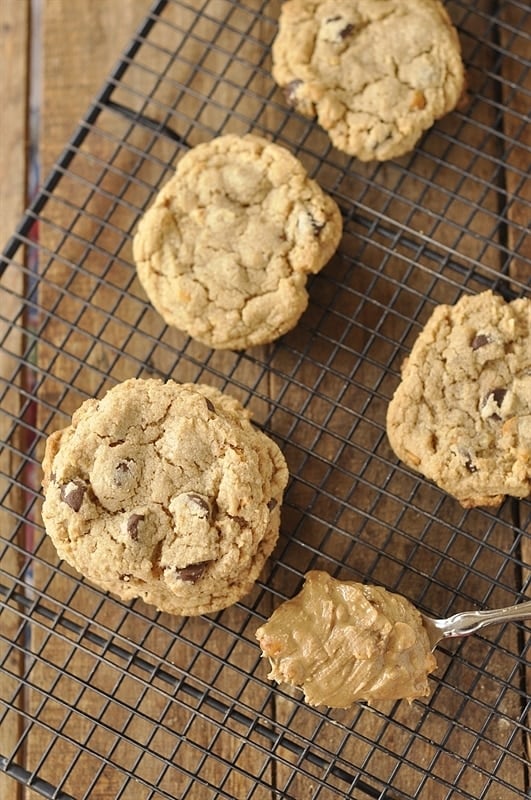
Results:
x,y
375,73
461,414
166,492
225,250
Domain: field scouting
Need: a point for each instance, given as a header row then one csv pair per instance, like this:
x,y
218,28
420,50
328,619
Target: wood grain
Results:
x,y
515,37
71,77
14,100
441,212
81,42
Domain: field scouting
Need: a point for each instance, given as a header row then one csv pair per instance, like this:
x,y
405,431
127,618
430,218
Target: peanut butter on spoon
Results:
x,y
342,642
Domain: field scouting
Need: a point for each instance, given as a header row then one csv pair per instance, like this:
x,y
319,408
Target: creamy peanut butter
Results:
x,y
340,642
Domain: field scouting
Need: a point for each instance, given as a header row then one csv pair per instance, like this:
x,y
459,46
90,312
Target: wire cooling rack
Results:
x,y
103,699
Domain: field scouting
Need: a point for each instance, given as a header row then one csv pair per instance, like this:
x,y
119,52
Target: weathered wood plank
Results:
x,y
80,43
80,46
516,89
457,214
13,94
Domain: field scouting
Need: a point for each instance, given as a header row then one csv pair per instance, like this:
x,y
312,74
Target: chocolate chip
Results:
x,y
346,31
272,504
470,466
290,92
121,471
498,395
132,525
317,226
72,493
210,405
200,503
192,572
240,521
480,341
494,397
466,458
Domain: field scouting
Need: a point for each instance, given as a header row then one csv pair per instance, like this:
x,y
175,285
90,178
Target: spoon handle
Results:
x,y
471,621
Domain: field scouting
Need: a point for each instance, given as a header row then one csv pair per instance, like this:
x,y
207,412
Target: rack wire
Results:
x,y
110,699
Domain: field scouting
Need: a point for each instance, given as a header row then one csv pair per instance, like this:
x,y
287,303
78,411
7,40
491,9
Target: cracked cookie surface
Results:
x,y
225,250
166,492
461,414
375,73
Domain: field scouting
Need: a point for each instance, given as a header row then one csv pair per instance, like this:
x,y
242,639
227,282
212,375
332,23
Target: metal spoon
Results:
x,y
467,622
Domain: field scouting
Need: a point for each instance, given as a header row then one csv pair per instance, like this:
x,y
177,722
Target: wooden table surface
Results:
x,y
79,43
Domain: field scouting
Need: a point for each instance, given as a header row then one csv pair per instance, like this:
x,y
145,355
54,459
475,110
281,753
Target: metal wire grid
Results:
x,y
110,699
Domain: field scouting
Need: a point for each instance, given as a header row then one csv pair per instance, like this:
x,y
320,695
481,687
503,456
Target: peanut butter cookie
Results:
x,y
461,414
166,492
225,250
375,73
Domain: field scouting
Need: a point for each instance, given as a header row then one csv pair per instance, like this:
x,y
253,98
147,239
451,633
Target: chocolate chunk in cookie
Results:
x,y
192,572
72,493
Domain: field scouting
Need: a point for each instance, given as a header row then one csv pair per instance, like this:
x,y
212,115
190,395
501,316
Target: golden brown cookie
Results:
x,y
166,492
225,250
375,73
461,414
